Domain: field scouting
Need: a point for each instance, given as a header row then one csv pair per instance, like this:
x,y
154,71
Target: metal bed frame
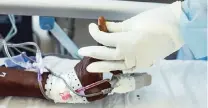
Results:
x,y
87,9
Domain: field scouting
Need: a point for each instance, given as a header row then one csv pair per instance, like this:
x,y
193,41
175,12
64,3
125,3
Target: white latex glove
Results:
x,y
136,42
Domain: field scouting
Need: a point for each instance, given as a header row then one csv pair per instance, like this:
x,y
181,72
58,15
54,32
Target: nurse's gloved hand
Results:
x,y
136,42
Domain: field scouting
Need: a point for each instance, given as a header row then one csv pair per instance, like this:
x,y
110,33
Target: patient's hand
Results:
x,y
75,72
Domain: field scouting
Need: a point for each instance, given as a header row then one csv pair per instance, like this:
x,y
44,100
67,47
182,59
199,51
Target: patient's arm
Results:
x,y
24,83
20,83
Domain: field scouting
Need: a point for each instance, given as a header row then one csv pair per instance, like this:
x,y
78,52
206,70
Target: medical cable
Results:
x,y
13,30
17,50
6,45
12,52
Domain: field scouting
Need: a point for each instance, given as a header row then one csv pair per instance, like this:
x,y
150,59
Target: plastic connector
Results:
x,y
106,91
46,23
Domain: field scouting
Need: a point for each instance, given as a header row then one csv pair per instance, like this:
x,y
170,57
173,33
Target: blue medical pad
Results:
x,y
19,58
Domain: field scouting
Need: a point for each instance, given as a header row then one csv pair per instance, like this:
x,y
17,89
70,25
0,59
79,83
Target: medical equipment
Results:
x,y
48,23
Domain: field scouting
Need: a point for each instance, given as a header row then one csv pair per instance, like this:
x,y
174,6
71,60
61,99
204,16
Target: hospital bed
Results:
x,y
172,87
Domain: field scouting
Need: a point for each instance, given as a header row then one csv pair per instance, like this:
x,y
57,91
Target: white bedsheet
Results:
x,y
175,84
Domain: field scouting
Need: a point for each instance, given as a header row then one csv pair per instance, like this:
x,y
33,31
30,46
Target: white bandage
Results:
x,y
126,83
57,90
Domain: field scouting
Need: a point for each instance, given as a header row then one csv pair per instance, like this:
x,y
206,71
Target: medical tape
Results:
x,y
39,77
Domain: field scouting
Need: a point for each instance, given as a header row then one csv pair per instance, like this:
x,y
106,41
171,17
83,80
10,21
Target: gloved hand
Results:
x,y
136,42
